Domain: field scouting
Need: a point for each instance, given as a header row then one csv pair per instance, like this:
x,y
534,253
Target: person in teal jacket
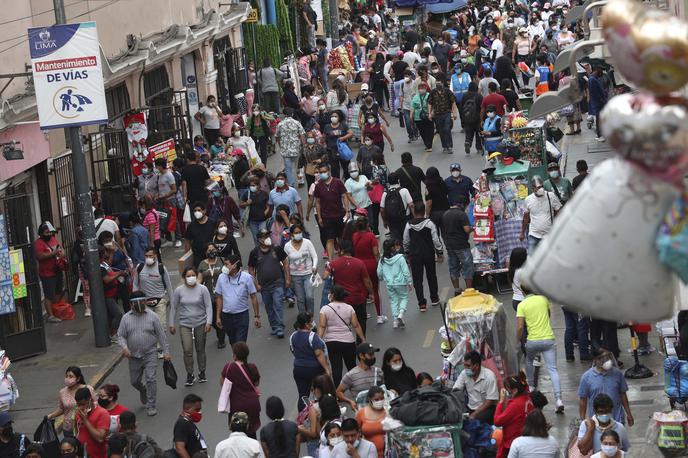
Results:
x,y
394,271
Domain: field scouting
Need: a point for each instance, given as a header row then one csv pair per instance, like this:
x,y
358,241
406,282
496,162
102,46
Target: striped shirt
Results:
x,y
140,332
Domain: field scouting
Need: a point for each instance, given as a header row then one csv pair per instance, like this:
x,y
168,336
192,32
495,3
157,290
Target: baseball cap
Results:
x,y
522,30
455,166
5,419
364,86
366,348
552,166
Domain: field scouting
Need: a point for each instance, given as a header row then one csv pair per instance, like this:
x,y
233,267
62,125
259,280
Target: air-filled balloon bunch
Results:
x,y
615,246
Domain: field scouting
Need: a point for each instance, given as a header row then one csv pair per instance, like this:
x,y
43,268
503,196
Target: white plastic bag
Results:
x,y
316,280
187,214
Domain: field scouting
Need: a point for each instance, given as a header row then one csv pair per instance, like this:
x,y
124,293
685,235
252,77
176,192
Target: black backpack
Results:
x,y
394,205
470,111
378,74
144,447
161,271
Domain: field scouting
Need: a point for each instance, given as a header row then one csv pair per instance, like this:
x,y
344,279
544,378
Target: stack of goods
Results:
x,y
342,58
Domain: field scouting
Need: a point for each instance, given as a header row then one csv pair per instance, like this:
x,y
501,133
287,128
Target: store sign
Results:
x,y
18,274
67,75
164,149
252,16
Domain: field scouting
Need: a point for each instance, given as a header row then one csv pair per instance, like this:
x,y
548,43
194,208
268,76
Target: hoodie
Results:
x,y
421,239
394,271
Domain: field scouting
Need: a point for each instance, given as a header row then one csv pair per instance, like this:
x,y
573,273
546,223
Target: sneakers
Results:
x,y
190,380
450,151
221,344
381,319
644,351
428,150
87,312
600,139
53,319
435,303
290,302
152,411
395,323
143,396
560,406
280,334
178,244
401,321
423,307
201,377
368,315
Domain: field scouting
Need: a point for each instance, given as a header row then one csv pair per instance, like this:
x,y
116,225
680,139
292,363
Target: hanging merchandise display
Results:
x,y
137,134
267,43
285,29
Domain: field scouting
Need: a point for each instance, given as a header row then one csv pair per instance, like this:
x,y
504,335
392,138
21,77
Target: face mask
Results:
x,y
369,143
237,134
334,120
607,365
378,405
310,140
109,244
424,60
46,237
540,192
222,230
138,306
609,450
422,92
604,419
396,367
279,183
336,440
491,115
217,193
256,113
357,442
103,402
69,381
150,261
468,372
191,281
456,174
554,174
298,237
225,270
198,215
324,176
8,432
371,120
267,241
407,79
490,21
370,362
195,417
354,175
145,171
321,107
68,455
253,188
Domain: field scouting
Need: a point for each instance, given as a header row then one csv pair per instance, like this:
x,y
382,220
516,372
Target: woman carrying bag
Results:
x,y
240,391
310,359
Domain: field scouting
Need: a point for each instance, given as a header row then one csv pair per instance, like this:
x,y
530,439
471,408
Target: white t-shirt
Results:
x,y
534,447
411,58
542,211
516,286
498,46
405,197
358,191
107,225
365,449
210,116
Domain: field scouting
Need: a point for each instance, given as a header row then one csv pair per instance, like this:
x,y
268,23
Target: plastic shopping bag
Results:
x,y
187,214
223,405
47,436
170,374
345,153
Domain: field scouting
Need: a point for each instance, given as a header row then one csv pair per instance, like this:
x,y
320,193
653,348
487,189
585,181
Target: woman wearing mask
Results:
x,y
322,116
247,146
224,240
337,320
335,132
516,260
310,360
523,47
398,376
70,447
375,132
245,378
405,99
280,437
311,156
332,436
514,404
258,129
303,264
610,446
492,130
337,99
119,262
565,37
358,186
366,249
209,271
436,197
377,78
256,203
394,271
370,418
420,115
311,415
221,206
66,406
107,399
535,441
193,304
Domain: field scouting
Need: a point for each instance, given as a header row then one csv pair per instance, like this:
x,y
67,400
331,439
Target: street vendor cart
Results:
x,y
424,441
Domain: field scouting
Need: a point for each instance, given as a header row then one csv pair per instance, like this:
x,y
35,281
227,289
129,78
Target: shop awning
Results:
x,y
412,3
444,7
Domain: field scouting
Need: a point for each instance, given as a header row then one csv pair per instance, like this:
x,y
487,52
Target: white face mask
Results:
x,y
256,113
198,215
407,79
321,107
336,440
310,140
354,175
607,365
609,450
371,121
554,174
225,270
491,115
150,261
456,174
253,188
396,367
440,42
237,134
378,405
222,230
191,281
267,241
540,192
369,143
334,120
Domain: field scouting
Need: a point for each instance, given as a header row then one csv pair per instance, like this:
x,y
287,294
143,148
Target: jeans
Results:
x,y
548,348
255,227
193,337
443,124
305,301
418,265
235,326
576,326
145,368
303,376
411,129
473,132
114,314
273,301
398,299
341,352
396,92
603,335
533,242
289,164
271,102
322,76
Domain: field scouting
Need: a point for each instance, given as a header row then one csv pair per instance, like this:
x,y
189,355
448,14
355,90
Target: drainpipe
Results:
x,y
270,13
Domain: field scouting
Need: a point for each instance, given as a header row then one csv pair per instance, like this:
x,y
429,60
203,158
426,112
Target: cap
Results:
x,y
364,86
552,166
455,166
491,107
239,418
522,30
262,233
366,348
486,8
361,211
5,419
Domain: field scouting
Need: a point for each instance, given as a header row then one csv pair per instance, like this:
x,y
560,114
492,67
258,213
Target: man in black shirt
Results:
x,y
582,169
411,177
194,178
398,68
199,233
12,445
455,231
187,438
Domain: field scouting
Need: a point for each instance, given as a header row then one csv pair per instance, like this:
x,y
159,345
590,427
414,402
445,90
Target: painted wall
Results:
x,y
34,144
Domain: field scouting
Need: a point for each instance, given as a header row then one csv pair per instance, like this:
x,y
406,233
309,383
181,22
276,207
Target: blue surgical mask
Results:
x,y
217,193
604,419
279,183
298,237
468,372
324,176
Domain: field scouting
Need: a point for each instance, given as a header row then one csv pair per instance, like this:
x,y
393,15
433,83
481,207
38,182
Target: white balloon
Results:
x,y
600,258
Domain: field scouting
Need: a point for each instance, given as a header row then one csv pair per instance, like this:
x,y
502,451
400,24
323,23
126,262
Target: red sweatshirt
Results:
x,y
511,416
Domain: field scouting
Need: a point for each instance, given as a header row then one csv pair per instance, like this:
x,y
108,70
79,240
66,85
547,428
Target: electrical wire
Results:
x,y
38,14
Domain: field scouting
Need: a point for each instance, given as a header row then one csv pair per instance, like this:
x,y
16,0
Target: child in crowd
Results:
x,y
394,271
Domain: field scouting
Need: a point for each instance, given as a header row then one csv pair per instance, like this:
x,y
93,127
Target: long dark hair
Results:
x,y
274,409
76,370
329,409
325,385
516,260
535,425
338,86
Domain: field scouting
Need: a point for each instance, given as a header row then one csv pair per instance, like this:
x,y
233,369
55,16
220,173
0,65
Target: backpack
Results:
x,y
378,74
394,205
161,271
145,448
470,111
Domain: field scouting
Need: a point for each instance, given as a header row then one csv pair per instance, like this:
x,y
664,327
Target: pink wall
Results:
x,y
33,143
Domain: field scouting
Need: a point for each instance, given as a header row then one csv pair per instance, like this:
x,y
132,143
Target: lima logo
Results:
x,y
46,42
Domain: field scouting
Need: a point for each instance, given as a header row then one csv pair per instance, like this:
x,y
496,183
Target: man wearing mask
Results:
x,y
332,202
270,267
362,377
49,252
458,185
284,194
480,384
557,184
590,431
441,52
222,206
354,445
442,110
187,438
410,176
152,280
604,378
199,233
290,137
12,444
268,79
456,231
541,208
166,193
139,332
550,42
194,178
599,94
470,109
92,424
233,291
146,184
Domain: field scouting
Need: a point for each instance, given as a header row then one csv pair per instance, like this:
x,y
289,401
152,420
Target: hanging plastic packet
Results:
x,y
672,239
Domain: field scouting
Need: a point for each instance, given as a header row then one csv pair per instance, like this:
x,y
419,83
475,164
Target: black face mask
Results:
x,y
212,254
47,237
7,432
370,362
103,402
68,455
